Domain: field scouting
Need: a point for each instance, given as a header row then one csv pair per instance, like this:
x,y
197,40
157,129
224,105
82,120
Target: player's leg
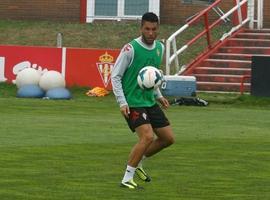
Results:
x,y
165,138
145,138
162,129
139,122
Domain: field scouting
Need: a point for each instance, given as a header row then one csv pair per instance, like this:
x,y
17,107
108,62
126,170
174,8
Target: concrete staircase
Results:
x,y
223,70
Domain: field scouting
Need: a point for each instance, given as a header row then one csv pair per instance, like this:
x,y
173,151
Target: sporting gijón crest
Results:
x,y
105,67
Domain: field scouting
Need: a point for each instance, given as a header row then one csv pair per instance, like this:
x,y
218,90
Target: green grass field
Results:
x,y
77,149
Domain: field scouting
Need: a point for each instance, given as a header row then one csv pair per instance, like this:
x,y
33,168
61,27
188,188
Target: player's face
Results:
x,y
149,31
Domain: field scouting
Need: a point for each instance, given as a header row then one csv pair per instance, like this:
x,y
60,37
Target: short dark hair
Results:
x,y
149,17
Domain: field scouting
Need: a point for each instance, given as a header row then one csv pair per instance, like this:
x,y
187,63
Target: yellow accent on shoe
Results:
x,y
129,184
142,174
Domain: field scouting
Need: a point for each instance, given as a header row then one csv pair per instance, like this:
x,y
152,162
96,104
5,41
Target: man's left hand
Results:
x,y
164,102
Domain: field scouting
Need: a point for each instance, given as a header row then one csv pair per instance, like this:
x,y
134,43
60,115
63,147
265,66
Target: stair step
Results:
x,y
226,63
257,31
224,70
248,42
222,86
234,56
245,50
215,70
254,35
220,78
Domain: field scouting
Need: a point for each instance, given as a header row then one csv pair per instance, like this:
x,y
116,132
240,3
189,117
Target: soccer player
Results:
x,y
139,107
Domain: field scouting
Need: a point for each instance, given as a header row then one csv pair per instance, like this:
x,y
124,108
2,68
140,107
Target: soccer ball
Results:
x,y
149,78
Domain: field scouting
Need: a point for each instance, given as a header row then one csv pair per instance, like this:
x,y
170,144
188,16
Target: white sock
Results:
x,y
141,161
129,173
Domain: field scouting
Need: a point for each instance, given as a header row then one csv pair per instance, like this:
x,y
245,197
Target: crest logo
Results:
x,y
158,52
105,66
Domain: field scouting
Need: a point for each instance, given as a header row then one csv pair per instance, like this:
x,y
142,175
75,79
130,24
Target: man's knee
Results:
x,y
148,139
146,135
169,141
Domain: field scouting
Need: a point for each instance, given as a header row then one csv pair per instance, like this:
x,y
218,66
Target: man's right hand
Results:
x,y
125,111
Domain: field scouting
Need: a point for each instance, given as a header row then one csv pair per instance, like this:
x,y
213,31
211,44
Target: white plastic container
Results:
x,y
181,86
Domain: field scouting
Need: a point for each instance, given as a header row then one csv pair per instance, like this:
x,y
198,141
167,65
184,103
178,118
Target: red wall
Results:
x,y
82,67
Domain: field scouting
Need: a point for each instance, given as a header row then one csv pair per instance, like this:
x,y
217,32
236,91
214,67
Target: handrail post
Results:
x,y
242,83
206,24
259,14
239,12
176,56
251,7
168,54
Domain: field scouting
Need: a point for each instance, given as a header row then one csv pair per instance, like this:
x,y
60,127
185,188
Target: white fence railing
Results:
x,y
253,16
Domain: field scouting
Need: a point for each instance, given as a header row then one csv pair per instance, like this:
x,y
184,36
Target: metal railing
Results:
x,y
171,43
242,83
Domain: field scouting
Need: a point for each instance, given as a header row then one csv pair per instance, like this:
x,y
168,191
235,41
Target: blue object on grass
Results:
x,y
179,86
58,93
30,91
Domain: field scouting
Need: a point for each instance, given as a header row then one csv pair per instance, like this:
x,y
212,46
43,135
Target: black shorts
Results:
x,y
147,115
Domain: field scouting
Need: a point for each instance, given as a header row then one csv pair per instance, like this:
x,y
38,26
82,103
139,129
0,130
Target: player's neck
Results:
x,y
142,43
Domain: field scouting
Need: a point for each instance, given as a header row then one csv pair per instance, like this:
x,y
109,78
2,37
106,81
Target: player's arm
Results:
x,y
122,63
162,100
